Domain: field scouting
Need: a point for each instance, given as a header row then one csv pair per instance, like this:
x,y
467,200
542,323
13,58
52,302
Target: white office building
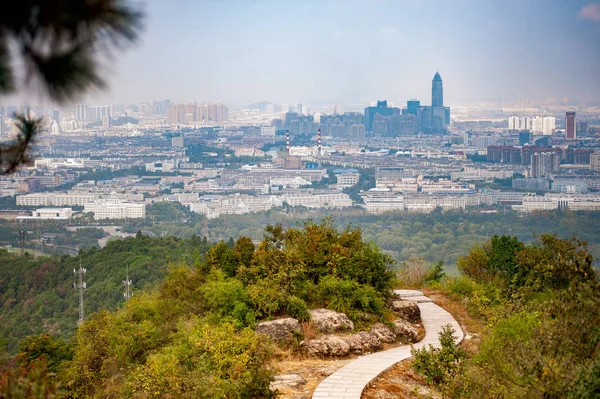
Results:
x,y
49,214
115,209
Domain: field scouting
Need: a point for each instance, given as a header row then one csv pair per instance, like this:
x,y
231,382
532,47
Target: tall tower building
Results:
x,y
571,126
437,91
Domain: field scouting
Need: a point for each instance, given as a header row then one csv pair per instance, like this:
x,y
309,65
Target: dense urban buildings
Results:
x,y
218,161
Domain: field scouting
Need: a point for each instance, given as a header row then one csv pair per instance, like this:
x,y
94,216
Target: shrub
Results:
x,y
36,382
349,297
439,365
267,298
227,297
297,308
206,361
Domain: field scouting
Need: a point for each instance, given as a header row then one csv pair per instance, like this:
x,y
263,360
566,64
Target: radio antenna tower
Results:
x,y
127,283
80,285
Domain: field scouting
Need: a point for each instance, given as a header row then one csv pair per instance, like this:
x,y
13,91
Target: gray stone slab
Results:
x,y
349,381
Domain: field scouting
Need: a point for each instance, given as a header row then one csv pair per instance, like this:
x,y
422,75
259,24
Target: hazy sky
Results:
x,y
320,51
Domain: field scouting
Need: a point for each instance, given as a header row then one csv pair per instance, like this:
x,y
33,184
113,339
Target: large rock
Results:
x,y
328,321
287,381
326,346
405,332
382,332
279,330
363,342
408,310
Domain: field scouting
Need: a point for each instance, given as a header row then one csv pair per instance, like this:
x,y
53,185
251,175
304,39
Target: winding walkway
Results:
x,y
349,381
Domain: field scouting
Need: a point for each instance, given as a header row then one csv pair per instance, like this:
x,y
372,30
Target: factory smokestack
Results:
x,y
287,142
319,144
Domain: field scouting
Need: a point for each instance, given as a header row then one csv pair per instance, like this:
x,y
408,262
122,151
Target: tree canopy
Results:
x,y
57,43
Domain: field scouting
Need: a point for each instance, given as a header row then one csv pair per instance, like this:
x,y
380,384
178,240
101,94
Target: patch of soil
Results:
x,y
399,382
315,370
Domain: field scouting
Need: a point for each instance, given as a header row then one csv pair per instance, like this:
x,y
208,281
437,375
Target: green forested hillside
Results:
x,y
540,304
36,294
436,236
192,337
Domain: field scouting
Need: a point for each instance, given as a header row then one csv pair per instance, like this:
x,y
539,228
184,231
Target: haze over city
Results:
x,y
300,199
239,52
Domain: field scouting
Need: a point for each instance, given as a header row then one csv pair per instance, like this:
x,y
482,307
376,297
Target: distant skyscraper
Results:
x,y
570,126
437,91
55,115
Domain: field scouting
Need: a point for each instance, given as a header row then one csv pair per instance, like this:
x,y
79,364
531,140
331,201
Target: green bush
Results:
x,y
227,297
439,365
297,308
267,298
205,361
349,297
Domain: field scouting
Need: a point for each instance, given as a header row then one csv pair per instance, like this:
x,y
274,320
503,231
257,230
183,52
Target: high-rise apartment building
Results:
x,y
544,163
106,122
98,112
537,123
189,113
570,126
357,130
80,112
595,161
549,125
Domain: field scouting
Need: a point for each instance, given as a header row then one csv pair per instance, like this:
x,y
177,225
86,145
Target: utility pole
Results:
x,y
80,285
127,283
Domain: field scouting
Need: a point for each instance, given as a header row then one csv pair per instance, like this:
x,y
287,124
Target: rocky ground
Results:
x,y
310,352
401,381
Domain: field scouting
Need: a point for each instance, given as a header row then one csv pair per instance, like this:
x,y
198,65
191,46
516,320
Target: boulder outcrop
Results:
x,y
279,330
383,332
405,332
407,310
328,321
363,342
326,346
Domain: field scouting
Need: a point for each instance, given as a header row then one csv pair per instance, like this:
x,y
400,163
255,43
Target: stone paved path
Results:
x,y
349,381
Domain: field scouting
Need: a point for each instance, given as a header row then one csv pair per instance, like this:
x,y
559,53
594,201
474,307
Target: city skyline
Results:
x,y
355,52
